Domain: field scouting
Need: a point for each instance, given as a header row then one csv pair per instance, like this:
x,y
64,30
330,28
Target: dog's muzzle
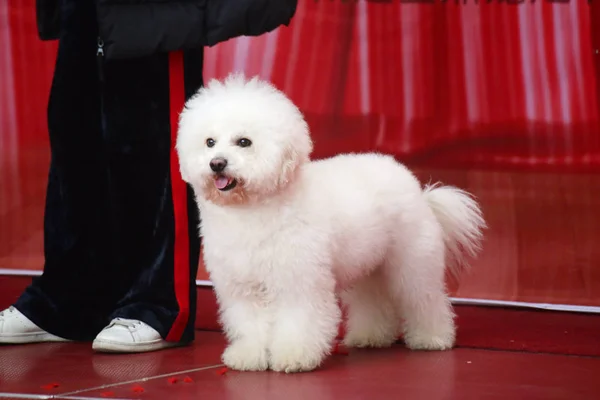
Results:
x,y
222,181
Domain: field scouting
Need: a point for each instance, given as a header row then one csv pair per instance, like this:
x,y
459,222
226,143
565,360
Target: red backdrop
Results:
x,y
496,97
489,85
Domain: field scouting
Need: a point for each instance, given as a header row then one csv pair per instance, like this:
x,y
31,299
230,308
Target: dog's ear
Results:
x,y
183,173
296,153
180,157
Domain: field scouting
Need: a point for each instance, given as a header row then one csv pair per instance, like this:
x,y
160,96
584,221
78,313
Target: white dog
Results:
x,y
284,236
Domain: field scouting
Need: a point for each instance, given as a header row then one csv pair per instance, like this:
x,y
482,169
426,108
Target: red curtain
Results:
x,y
487,83
26,66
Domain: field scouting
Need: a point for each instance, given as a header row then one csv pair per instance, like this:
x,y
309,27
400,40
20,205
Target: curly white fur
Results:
x,y
294,235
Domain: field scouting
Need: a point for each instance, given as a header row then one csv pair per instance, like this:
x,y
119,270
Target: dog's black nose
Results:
x,y
218,164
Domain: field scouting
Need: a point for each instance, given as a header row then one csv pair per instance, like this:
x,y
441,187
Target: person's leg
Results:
x,y
72,298
153,213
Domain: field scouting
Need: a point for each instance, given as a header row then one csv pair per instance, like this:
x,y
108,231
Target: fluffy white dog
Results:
x,y
285,236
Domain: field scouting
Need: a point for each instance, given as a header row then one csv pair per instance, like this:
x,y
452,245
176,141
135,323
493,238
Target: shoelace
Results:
x,y
10,310
127,323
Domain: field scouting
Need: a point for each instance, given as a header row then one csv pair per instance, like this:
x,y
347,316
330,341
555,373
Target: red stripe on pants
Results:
x,y
181,267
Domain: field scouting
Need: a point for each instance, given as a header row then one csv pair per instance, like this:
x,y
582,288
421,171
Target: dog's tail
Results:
x,y
462,222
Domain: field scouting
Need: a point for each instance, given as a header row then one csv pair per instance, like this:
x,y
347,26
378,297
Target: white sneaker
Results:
x,y
129,336
15,328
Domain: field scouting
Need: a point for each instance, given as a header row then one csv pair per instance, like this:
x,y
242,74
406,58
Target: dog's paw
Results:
x,y
293,358
365,339
428,342
244,356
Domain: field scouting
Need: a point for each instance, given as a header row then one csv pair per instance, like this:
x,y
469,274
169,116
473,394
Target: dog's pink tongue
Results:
x,y
221,182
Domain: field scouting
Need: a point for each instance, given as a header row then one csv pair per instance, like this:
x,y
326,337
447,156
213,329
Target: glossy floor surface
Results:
x,y
501,354
73,371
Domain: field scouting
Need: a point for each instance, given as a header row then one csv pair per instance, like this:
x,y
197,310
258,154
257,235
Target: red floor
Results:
x,y
72,371
501,354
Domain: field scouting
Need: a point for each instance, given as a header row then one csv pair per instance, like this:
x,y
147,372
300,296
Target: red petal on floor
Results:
x,y
50,386
137,389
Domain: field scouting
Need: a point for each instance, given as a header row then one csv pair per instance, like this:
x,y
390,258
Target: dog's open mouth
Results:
x,y
224,183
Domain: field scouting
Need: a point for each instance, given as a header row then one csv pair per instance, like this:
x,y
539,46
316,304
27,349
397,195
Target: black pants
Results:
x,y
121,228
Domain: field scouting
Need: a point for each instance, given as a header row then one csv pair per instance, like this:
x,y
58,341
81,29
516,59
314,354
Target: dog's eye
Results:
x,y
210,142
243,142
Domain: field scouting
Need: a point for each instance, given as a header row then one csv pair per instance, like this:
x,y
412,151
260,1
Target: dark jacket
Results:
x,y
134,28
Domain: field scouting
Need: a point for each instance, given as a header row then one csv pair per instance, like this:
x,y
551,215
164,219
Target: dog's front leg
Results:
x,y
246,325
307,318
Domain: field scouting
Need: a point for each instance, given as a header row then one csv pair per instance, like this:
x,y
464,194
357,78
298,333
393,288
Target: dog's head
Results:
x,y
240,140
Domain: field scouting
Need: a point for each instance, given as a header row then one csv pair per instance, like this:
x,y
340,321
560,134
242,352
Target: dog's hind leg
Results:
x,y
372,319
415,271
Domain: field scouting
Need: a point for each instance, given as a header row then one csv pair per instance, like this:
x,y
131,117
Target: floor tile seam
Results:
x,y
37,396
11,395
89,398
544,353
145,379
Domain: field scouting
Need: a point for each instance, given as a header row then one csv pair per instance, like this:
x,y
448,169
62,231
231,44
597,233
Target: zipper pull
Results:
x,y
100,59
100,50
